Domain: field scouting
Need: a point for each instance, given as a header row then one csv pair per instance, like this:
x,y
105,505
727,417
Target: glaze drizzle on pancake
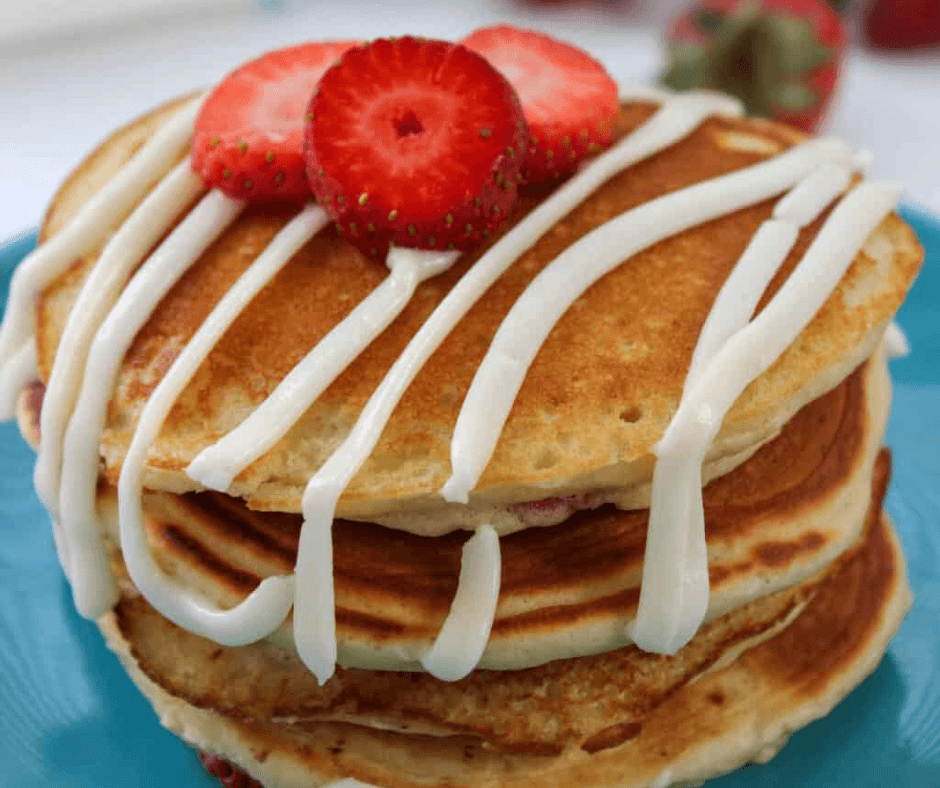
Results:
x,y
314,617
566,592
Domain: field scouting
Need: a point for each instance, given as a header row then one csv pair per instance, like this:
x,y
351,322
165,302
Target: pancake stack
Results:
x,y
807,579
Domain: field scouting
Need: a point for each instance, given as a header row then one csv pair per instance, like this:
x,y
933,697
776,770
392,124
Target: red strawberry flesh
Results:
x,y
569,100
416,143
228,775
249,131
902,24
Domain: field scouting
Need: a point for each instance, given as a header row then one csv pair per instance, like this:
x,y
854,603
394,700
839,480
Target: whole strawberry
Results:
x,y
780,57
416,143
248,133
903,24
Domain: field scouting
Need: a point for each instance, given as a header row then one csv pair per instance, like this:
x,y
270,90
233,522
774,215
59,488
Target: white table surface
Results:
x,y
62,92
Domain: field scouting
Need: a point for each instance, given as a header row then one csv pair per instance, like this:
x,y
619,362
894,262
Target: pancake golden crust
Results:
x,y
598,395
580,702
394,589
567,590
537,711
742,712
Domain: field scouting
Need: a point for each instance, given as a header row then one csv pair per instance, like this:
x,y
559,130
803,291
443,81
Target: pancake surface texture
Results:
x,y
599,394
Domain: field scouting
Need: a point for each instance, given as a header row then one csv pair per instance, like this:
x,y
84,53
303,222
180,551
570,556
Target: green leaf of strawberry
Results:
x,y
794,97
249,132
414,142
688,66
569,100
780,57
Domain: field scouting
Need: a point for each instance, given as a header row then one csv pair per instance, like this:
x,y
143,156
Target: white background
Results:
x,y
72,70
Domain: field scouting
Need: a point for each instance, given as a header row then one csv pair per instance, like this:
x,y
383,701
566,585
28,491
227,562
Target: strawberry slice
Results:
x,y
569,100
249,131
414,142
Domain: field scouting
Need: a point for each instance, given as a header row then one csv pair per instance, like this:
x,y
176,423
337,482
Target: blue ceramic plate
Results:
x,y
70,718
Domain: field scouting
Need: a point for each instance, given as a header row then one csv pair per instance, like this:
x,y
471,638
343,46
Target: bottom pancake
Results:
x,y
730,715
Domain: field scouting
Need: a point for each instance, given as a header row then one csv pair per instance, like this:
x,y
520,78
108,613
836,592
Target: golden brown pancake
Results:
x,y
806,576
568,590
741,712
597,397
540,710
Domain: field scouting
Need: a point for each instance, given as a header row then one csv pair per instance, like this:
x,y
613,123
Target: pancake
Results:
x,y
737,713
804,581
598,395
566,591
540,710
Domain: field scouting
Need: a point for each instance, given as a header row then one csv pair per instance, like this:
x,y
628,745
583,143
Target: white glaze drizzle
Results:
x,y
314,612
136,236
637,91
314,619
17,374
674,590
466,630
92,585
766,252
896,343
809,198
218,464
97,217
862,160
267,606
500,375
676,491
742,290
669,124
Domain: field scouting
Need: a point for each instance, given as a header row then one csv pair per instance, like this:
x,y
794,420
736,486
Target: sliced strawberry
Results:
x,y
569,100
416,143
249,131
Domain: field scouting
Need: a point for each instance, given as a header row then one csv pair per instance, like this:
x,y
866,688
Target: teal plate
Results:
x,y
70,717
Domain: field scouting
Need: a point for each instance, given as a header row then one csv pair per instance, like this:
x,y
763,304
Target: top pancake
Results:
x,y
597,397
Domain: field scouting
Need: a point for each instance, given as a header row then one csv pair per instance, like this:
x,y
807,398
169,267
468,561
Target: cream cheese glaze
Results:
x,y
217,465
92,585
149,222
269,603
674,588
21,369
896,342
90,227
773,241
521,334
466,630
